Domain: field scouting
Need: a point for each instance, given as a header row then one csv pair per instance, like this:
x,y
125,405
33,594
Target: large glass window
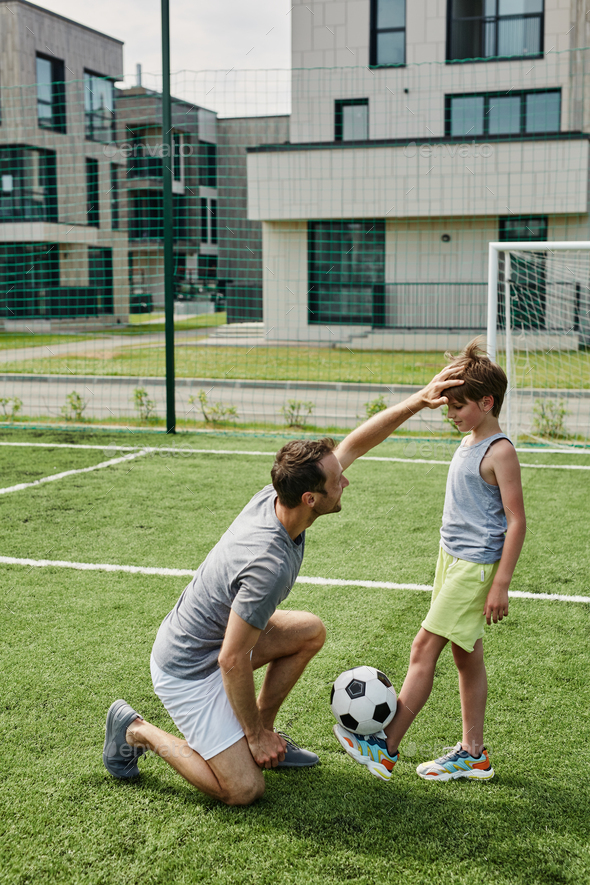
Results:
x,y
351,119
494,28
346,271
114,193
51,96
92,198
388,32
208,164
99,108
28,184
520,113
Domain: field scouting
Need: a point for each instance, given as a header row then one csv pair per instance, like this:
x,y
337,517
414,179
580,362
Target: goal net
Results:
x,y
539,331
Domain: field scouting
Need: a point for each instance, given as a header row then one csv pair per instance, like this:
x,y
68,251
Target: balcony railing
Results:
x,y
26,204
499,36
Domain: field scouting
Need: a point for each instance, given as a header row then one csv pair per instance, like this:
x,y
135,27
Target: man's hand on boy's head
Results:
x,y
496,606
432,394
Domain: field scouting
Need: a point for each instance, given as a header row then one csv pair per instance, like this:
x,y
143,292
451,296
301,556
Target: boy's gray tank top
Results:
x,y
474,522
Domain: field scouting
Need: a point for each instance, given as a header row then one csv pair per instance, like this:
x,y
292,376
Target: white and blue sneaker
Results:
x,y
457,763
369,750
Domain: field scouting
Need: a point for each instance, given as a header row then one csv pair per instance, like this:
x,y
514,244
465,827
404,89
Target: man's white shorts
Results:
x,y
200,710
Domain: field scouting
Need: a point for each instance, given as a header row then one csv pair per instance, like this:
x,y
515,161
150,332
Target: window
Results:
x,y
494,28
523,227
51,96
208,164
516,113
213,221
99,108
28,184
114,196
148,152
388,32
208,220
207,267
346,271
176,147
100,278
147,215
92,203
351,121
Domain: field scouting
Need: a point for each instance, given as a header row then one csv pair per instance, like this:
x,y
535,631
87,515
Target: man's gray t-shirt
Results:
x,y
251,570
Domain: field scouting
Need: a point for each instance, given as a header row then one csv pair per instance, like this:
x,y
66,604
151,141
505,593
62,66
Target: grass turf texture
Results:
x,y
72,642
272,363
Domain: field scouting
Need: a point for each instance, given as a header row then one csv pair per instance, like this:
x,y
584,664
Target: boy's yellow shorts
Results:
x,y
458,598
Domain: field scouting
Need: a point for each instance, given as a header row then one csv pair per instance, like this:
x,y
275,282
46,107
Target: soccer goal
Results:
x,y
539,328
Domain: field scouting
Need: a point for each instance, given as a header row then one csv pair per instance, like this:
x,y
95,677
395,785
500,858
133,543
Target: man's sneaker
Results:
x,y
457,763
120,759
295,757
369,750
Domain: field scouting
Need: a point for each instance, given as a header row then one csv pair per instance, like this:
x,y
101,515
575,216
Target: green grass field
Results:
x,y
102,355
73,641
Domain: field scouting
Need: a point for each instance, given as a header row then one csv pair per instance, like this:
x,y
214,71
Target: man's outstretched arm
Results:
x,y
381,425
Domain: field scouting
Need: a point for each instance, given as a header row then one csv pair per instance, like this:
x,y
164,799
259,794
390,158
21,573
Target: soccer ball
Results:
x,y
363,700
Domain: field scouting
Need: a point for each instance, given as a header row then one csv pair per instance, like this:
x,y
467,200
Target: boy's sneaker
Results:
x,y
369,750
457,763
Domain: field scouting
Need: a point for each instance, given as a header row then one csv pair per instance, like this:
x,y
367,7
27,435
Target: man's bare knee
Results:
x,y
319,636
244,794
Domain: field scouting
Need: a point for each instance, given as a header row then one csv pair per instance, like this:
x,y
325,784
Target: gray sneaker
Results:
x,y
295,757
120,759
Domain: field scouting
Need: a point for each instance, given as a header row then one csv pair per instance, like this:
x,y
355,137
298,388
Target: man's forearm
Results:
x,y
378,428
238,681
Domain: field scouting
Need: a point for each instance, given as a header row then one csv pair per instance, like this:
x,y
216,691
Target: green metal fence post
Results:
x,y
167,165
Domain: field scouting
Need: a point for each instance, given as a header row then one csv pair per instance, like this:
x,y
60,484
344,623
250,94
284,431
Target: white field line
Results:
x,y
329,582
38,482
191,451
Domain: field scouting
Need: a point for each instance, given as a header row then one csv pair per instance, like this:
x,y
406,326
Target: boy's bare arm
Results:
x,y
507,473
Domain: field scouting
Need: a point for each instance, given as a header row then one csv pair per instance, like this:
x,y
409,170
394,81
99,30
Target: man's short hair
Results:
x,y
297,469
482,377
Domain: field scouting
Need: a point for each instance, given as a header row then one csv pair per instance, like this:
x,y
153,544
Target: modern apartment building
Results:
x,y
63,249
194,193
419,132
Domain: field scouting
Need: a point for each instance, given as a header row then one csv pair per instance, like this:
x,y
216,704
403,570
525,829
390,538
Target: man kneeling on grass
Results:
x,y
225,626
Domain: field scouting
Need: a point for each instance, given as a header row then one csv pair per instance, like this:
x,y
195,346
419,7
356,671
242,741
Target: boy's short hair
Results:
x,y
297,470
482,377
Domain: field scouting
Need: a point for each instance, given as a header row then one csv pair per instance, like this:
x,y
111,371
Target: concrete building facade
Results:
x,y
419,133
63,251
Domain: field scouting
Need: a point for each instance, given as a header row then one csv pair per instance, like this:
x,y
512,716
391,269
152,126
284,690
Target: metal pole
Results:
x,y
492,301
167,166
510,393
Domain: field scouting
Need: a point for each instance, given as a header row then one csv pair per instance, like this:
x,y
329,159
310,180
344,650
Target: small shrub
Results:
x,y
296,412
375,406
144,405
11,406
213,413
548,420
74,407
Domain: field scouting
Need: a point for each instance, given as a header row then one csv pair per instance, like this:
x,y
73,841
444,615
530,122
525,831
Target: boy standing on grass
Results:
x,y
482,535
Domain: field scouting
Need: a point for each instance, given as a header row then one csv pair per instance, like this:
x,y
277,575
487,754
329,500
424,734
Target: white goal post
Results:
x,y
539,320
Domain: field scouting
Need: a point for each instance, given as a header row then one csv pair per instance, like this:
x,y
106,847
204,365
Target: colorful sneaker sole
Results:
x,y
428,774
377,769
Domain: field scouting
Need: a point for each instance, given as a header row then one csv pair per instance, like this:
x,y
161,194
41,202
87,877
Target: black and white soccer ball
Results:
x,y
363,700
